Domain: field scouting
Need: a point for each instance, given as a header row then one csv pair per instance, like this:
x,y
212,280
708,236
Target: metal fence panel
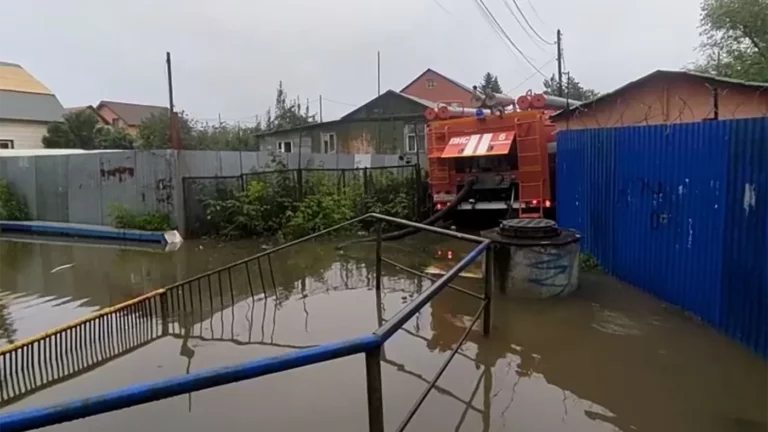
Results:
x,y
20,173
230,163
117,172
585,165
249,161
679,211
744,307
155,184
84,189
669,227
51,172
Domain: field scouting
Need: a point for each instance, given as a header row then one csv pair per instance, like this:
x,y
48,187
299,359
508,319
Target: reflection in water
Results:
x,y
608,358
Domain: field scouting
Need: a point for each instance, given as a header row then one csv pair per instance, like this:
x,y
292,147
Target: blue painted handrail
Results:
x,y
131,396
150,392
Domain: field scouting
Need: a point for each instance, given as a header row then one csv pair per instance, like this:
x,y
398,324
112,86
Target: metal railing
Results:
x,y
371,345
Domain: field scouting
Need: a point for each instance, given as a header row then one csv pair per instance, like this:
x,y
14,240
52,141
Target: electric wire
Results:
x,y
503,34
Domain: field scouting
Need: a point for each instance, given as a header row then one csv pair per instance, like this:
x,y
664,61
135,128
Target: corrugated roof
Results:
x,y
133,114
654,74
424,102
16,105
13,77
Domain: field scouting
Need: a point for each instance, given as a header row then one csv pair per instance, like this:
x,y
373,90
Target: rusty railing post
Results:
x,y
373,385
164,312
488,288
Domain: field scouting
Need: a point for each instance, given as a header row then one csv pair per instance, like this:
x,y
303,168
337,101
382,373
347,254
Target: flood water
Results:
x,y
607,358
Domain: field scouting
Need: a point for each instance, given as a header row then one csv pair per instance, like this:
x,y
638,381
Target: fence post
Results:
x,y
488,287
343,180
373,385
300,184
164,313
379,228
365,181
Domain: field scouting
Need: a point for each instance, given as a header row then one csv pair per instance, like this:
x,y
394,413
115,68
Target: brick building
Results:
x,y
436,87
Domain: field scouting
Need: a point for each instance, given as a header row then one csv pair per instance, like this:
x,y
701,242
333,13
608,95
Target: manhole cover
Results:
x,y
529,228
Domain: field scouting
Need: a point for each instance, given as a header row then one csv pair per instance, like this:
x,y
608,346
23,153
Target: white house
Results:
x,y
26,108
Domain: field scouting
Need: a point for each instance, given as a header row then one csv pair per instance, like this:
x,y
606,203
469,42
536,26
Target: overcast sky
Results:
x,y
228,55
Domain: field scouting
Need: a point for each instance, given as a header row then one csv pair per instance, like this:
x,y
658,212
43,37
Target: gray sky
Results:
x,y
229,55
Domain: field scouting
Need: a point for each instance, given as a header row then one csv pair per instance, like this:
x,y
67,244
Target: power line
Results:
x,y
500,31
531,76
340,103
440,5
520,23
529,23
535,12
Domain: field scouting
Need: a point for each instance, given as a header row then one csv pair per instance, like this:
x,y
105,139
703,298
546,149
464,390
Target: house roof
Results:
x,y
453,81
23,97
425,103
583,106
30,106
13,77
133,114
328,123
87,107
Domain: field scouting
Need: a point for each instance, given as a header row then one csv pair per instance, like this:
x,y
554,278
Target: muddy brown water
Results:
x,y
607,358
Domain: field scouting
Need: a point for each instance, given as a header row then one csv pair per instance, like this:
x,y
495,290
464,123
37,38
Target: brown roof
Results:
x,y
133,114
90,108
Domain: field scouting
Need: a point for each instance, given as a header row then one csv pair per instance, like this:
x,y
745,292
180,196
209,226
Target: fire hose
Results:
x,y
398,235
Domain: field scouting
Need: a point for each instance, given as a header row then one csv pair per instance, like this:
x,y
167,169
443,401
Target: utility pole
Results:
x,y
378,73
321,108
171,114
559,63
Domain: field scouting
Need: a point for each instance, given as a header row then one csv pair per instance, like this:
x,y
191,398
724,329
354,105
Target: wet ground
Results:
x,y
606,358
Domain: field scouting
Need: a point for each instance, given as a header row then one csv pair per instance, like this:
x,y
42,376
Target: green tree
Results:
x,y
224,136
490,82
76,130
154,131
111,138
572,89
153,134
734,39
83,130
287,114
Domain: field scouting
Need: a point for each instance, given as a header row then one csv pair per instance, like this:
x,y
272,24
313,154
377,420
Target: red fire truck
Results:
x,y
491,157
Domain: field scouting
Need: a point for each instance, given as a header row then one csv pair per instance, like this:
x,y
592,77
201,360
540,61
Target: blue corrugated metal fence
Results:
x,y
678,210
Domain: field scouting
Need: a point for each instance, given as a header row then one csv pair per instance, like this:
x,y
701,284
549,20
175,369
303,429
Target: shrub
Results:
x,y
588,263
12,206
260,209
270,205
122,217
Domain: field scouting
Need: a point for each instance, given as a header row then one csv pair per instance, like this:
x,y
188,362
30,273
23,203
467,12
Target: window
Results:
x,y
6,144
116,122
414,136
329,143
285,146
431,83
